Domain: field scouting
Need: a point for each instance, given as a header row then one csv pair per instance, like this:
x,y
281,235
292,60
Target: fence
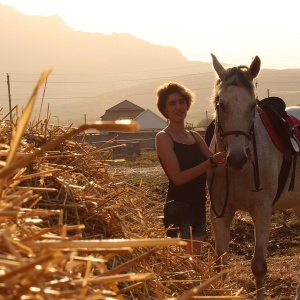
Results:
x,y
134,141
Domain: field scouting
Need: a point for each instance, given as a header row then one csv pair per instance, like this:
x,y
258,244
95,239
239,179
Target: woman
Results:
x,y
185,158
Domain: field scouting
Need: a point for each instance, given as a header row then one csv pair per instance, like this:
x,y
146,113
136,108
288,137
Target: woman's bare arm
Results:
x,y
164,148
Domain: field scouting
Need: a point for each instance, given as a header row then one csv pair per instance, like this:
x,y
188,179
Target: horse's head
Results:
x,y
235,102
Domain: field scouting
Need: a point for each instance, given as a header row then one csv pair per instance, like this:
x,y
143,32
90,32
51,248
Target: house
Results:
x,y
147,119
121,111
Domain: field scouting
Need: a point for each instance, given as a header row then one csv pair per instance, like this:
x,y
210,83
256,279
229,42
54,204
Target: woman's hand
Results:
x,y
219,157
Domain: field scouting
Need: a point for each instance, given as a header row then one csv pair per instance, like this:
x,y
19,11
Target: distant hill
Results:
x,y
92,71
279,83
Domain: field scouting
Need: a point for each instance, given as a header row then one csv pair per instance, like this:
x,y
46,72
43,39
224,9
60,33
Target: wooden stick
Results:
x,y
105,243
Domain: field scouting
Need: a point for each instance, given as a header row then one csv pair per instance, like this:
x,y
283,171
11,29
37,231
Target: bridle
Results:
x,y
250,137
223,134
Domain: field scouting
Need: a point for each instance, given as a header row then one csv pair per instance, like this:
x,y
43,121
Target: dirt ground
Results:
x,y
283,250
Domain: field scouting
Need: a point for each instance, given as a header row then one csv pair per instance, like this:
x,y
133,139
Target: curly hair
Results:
x,y
169,88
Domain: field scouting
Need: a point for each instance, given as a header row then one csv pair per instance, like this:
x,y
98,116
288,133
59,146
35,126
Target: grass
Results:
x,y
145,159
136,177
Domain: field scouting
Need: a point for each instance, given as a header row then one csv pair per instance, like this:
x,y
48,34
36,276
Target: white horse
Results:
x,y
239,130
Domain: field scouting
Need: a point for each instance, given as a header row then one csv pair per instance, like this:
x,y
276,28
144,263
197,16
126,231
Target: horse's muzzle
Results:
x,y
236,161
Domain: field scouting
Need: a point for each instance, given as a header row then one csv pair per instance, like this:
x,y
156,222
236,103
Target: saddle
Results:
x,y
284,130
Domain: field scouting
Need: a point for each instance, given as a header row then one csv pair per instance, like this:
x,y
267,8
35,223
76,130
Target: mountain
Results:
x,y
92,72
280,83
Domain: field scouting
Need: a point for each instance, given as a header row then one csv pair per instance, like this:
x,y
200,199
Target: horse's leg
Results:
x,y
261,218
297,213
298,292
221,230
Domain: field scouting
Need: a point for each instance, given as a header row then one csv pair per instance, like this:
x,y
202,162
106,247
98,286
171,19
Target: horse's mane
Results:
x,y
234,76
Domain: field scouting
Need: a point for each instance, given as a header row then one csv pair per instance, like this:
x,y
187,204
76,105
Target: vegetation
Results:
x,y
140,170
145,159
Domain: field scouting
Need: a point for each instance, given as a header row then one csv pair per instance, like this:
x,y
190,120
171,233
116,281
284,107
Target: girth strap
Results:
x,y
292,183
255,165
283,175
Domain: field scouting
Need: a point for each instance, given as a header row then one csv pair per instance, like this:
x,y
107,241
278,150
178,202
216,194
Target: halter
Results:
x,y
250,136
232,132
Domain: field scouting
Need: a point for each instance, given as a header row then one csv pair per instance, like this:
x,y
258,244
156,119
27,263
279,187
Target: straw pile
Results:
x,y
71,230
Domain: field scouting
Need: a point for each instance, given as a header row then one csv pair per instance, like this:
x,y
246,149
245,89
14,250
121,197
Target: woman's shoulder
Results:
x,y
161,134
163,138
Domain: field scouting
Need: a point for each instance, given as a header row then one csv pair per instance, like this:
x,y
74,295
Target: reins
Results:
x,y
250,136
226,196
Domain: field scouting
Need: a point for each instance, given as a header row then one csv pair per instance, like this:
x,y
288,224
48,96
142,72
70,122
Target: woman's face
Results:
x,y
176,107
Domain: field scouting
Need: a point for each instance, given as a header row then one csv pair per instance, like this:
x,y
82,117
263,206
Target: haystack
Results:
x,y
71,230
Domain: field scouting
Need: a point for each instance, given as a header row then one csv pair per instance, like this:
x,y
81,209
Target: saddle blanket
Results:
x,y
277,139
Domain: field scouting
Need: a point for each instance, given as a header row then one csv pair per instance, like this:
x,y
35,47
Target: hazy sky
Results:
x,y
234,30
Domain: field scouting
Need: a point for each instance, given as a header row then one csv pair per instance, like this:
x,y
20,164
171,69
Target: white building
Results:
x,y
146,118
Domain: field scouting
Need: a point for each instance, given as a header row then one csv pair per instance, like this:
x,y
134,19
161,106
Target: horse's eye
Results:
x,y
221,105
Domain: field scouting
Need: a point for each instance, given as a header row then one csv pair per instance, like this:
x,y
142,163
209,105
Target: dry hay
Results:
x,y
71,230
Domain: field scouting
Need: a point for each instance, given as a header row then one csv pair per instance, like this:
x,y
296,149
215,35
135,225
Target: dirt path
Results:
x,y
283,251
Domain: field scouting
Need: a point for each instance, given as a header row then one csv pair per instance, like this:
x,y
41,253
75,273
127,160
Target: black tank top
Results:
x,y
188,156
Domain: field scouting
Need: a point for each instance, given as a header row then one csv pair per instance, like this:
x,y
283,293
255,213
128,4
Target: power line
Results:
x,y
111,73
200,86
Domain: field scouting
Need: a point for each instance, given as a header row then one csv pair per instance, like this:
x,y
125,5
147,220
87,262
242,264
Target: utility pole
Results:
x,y
57,119
9,97
268,93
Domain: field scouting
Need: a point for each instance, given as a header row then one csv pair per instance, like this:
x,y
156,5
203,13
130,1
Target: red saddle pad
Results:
x,y
277,140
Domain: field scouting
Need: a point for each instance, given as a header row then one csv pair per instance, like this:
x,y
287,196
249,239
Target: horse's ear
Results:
x,y
254,67
218,67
